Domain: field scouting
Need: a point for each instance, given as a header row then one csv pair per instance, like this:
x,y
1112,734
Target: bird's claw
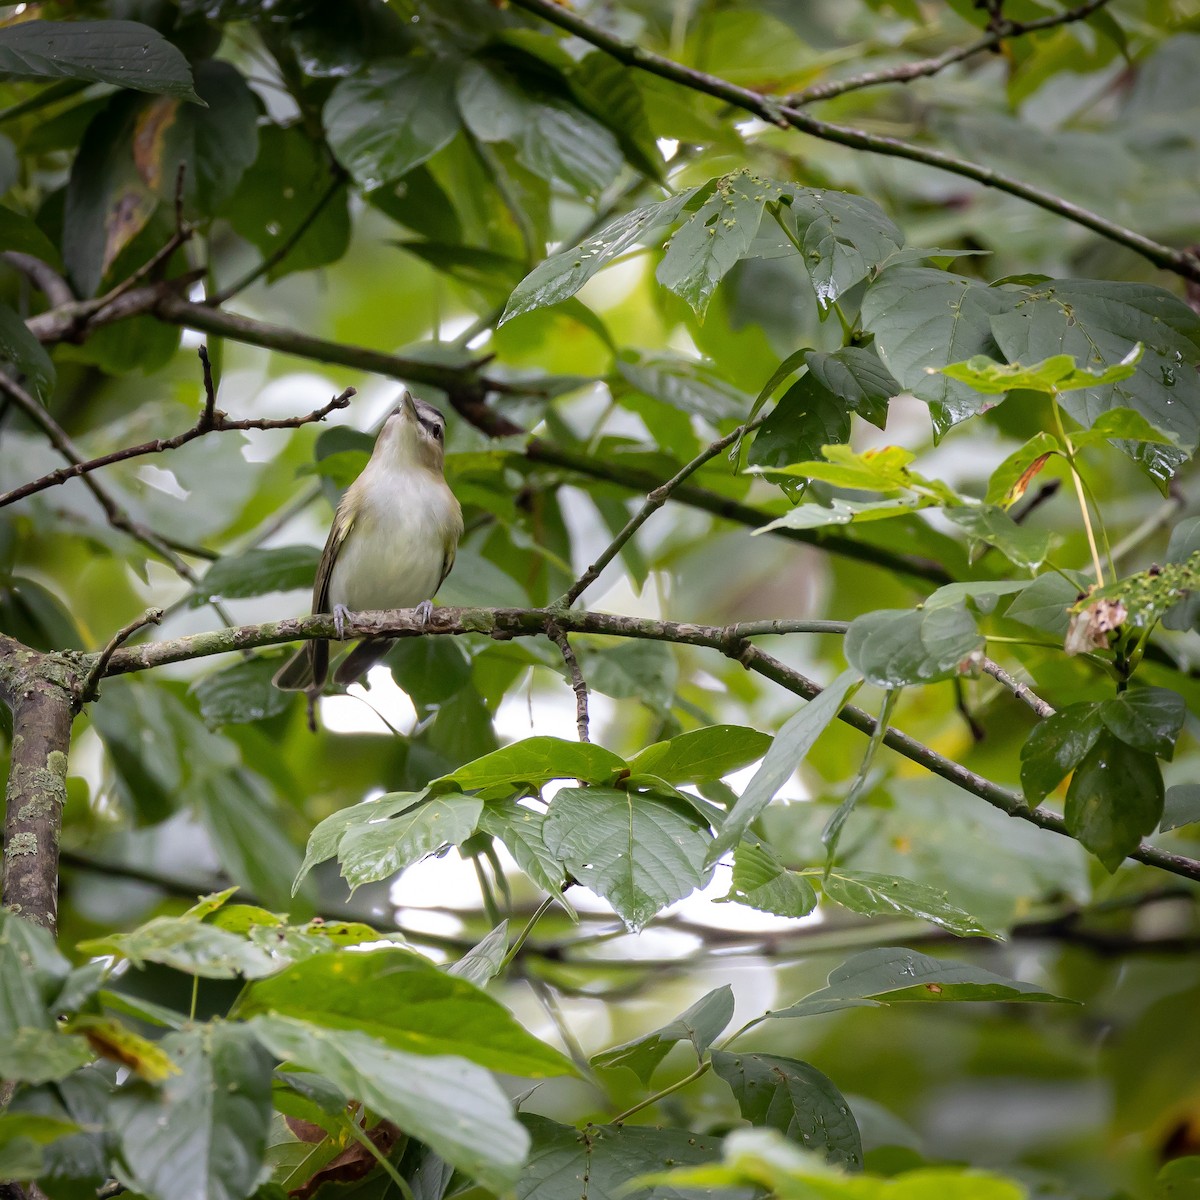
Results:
x,y
340,613
424,611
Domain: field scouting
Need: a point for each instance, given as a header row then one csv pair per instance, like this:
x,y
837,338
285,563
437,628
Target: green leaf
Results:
x,y
534,762
1148,719
893,647
796,1099
888,895
552,137
22,356
888,975
639,852
701,754
1182,806
1096,322
188,945
1058,373
18,232
1044,603
520,829
1119,424
841,237
983,594
643,670
690,386
370,851
563,274
1114,799
793,741
391,116
701,1024
922,319
1056,746
327,835
789,366
429,670
846,512
126,53
807,417
1010,480
761,881
485,959
855,376
242,693
403,1000
257,573
610,92
720,233
453,1106
32,972
608,1158
22,1136
204,1132
1019,544
37,1055
277,194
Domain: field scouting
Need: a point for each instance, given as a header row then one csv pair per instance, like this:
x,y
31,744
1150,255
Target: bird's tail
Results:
x,y
298,674
361,659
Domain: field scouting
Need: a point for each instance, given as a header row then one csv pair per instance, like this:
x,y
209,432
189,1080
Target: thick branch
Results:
x,y
40,691
769,108
503,623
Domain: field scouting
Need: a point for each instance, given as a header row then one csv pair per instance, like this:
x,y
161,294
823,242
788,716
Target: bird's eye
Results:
x,y
437,432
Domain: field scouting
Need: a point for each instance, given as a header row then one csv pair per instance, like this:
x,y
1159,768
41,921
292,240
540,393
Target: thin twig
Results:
x,y
906,72
653,502
90,688
1022,691
220,423
208,416
769,108
521,622
42,275
578,683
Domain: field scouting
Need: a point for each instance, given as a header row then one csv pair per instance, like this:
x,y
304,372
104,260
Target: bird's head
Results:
x,y
414,434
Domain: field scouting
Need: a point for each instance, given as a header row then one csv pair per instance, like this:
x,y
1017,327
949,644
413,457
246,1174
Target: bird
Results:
x,y
392,543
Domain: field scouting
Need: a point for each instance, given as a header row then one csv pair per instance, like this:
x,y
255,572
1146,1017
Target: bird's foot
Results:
x,y
340,613
424,611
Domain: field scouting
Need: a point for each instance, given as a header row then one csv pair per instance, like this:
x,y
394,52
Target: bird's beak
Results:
x,y
407,406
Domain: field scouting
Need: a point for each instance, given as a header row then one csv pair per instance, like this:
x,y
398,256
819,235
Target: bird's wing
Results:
x,y
447,563
318,650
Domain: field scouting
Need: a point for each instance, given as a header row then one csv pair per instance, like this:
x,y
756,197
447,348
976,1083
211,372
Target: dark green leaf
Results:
x,y
520,829
841,237
1147,719
807,418
204,1132
430,670
241,693
278,193
644,670
18,232
563,274
403,1000
453,1106
370,851
1056,746
1182,806
793,741
608,1158
888,895
888,975
701,1025
553,138
796,1099
638,852
35,616
856,376
701,754
390,117
22,356
895,647
126,53
327,834
1024,546
720,233
1044,603
923,318
258,572
1114,799
534,762
611,94
690,386
760,880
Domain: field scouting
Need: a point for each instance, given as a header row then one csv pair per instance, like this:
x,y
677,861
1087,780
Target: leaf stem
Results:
x,y
523,936
678,1085
1069,455
364,1140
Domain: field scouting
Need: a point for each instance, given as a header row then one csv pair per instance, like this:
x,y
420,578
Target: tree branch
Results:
x,y
907,72
578,683
90,688
1182,262
503,623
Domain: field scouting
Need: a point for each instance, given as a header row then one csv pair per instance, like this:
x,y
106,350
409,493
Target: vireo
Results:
x,y
392,543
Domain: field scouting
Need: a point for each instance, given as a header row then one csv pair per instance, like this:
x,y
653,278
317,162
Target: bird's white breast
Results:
x,y
393,554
